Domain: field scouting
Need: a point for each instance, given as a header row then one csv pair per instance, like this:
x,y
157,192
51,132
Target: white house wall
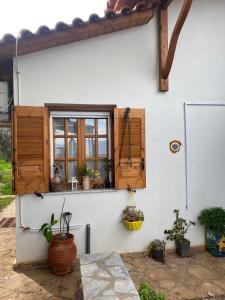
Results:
x,y
122,68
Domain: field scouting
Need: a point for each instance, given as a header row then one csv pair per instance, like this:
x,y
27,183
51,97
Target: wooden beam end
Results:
x,y
164,85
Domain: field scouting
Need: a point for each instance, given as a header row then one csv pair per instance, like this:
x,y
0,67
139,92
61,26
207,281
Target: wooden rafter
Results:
x,y
167,55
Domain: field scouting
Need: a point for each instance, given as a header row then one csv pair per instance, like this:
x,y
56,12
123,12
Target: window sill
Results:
x,y
91,191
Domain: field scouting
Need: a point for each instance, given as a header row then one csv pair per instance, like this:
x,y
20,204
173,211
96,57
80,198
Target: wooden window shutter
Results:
x,y
30,149
129,148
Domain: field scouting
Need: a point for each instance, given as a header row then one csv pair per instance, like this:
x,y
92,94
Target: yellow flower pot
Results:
x,y
133,225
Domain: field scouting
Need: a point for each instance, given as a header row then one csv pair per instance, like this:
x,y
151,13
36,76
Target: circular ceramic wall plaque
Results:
x,y
175,146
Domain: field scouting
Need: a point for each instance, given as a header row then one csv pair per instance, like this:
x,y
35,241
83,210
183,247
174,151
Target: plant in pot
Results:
x,y
57,182
86,174
177,234
62,249
214,221
108,166
97,179
132,218
156,250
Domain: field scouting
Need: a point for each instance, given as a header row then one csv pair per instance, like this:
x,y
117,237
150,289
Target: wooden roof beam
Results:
x,y
167,55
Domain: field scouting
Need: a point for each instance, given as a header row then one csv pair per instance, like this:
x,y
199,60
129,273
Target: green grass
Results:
x,y
4,202
5,178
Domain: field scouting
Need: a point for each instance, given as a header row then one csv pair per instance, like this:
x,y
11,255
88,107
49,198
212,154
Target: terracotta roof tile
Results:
x,y
139,13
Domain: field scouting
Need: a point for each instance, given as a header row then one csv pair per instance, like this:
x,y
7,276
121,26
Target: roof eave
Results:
x,y
72,34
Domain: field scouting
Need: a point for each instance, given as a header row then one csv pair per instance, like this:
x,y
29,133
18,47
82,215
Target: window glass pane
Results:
x,y
90,126
91,164
72,169
72,126
90,147
72,147
59,126
102,128
101,168
102,147
61,167
59,148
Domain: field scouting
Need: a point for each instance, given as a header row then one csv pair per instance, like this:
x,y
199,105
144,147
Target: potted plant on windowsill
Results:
x,y
132,218
86,174
214,221
56,182
108,165
62,249
156,250
177,234
97,184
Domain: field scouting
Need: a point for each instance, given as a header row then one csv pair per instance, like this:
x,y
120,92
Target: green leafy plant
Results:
x,y
213,219
108,165
131,214
46,229
5,177
84,171
4,202
180,228
147,293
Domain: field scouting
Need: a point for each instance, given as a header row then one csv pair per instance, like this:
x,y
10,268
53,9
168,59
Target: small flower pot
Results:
x,y
86,183
107,183
133,226
56,187
157,254
183,248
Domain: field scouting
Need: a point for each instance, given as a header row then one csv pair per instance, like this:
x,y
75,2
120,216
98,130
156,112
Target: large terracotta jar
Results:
x,y
61,254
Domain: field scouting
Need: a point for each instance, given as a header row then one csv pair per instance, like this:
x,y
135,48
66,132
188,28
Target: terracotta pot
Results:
x,y
61,254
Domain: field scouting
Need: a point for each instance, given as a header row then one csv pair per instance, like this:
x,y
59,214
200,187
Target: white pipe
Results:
x,y
185,156
35,229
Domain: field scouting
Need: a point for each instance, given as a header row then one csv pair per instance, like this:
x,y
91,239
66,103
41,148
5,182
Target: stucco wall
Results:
x,y
122,68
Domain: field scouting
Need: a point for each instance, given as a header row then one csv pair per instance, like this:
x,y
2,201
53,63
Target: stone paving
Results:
x,y
200,276
104,277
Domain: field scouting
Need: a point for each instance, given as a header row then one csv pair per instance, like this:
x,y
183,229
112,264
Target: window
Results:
x,y
79,139
76,138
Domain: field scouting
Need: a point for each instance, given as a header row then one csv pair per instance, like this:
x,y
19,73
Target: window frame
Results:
x,y
80,115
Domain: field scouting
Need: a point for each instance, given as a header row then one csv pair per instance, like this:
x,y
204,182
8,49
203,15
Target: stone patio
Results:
x,y
104,277
200,276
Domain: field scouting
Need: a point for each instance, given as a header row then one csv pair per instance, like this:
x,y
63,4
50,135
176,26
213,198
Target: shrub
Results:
x,y
214,219
5,202
180,228
147,293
